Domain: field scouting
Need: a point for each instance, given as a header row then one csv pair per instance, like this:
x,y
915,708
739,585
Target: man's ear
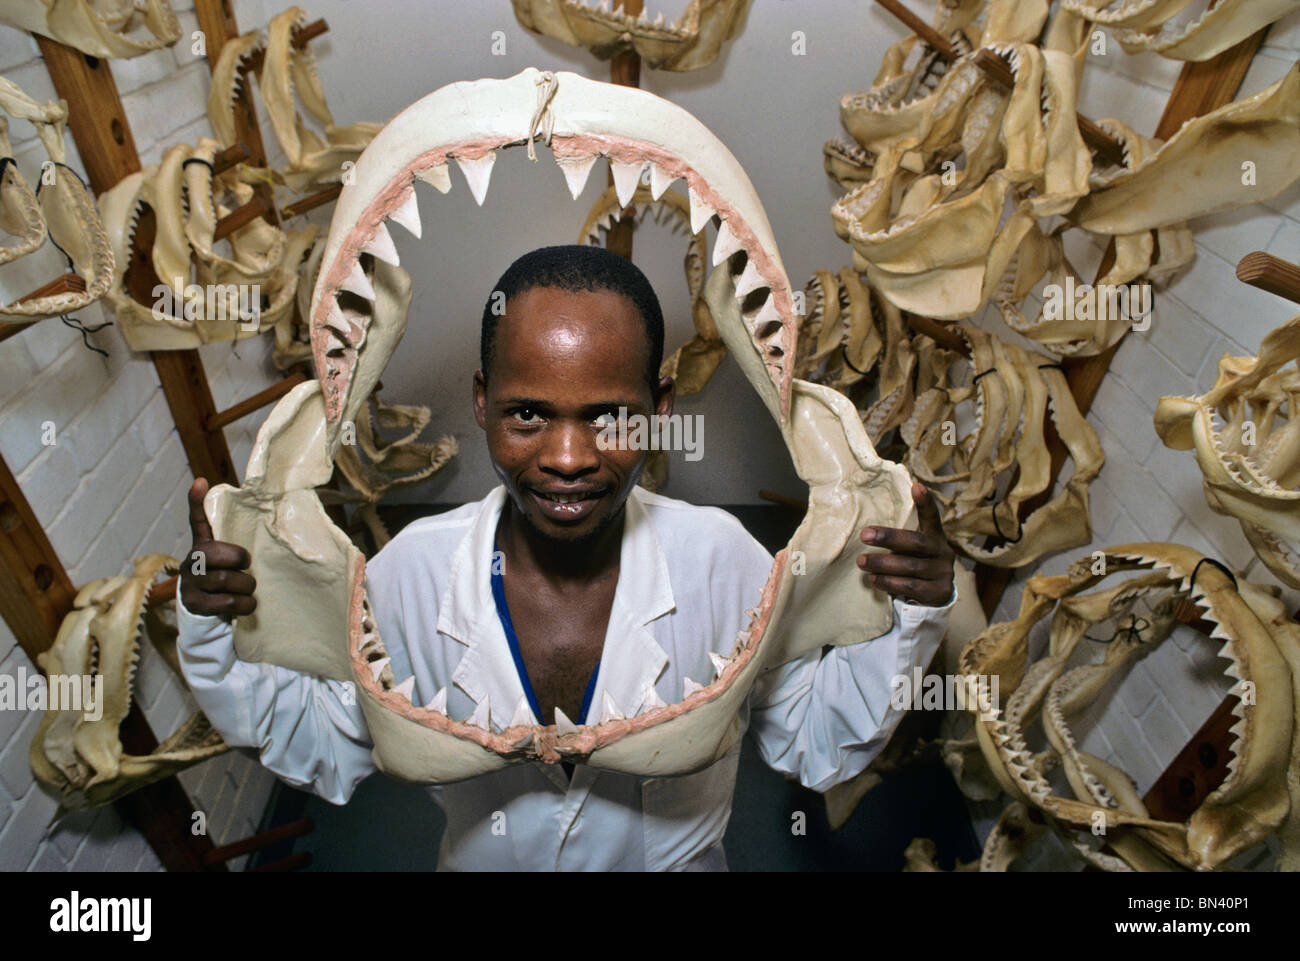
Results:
x,y
480,399
664,395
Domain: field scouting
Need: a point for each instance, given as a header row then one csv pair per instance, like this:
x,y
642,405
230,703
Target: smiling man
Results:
x,y
566,595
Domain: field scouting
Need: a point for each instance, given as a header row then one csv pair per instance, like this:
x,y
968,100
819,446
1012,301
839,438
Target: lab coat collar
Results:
x,y
631,661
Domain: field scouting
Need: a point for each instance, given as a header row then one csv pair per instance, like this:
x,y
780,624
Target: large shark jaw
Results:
x,y
313,615
691,41
1259,794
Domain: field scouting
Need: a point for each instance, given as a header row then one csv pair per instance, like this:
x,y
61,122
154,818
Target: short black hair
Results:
x,y
576,267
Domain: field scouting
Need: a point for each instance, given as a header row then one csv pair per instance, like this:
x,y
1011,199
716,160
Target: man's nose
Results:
x,y
569,449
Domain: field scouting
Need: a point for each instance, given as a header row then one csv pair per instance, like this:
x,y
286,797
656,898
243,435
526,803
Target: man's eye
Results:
x,y
526,415
606,420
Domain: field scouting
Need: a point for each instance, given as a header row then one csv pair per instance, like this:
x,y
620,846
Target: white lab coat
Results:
x,y
687,576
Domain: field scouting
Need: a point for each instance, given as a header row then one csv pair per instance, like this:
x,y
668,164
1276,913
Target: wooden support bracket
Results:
x,y
1270,273
256,402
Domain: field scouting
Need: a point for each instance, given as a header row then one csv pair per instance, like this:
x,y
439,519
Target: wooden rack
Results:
x,y
35,590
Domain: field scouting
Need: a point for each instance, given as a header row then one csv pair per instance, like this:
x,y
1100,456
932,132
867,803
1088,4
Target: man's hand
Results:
x,y
215,582
919,565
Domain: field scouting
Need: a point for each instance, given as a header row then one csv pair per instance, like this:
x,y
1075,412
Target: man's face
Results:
x,y
564,363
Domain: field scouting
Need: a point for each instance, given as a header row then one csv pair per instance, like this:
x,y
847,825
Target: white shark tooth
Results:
x,y
719,663
644,17
381,246
406,688
358,283
563,725
726,244
332,341
377,667
659,181
576,170
439,702
749,280
701,211
659,19
478,171
482,716
626,177
651,699
438,177
765,314
609,710
523,713
408,214
690,687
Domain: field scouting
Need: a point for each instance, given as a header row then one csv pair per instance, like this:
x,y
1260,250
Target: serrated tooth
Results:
x,y
766,313
659,181
406,688
358,283
609,710
523,713
437,177
381,246
576,170
749,280
650,699
701,211
690,687
726,244
377,667
439,702
563,725
408,214
719,663
482,716
626,177
478,172
332,341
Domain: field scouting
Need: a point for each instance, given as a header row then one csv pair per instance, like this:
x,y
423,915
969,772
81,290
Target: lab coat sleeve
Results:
x,y
309,731
824,718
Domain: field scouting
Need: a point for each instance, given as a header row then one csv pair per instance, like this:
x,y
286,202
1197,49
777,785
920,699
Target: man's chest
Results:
x,y
560,641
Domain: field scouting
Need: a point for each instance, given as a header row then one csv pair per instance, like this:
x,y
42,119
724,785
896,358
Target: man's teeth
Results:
x,y
566,498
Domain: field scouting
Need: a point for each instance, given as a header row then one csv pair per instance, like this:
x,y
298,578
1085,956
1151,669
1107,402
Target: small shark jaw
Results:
x,y
691,41
311,582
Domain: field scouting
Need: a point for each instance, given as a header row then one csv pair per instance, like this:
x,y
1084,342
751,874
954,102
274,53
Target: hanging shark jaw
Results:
x,y
1258,640
117,29
311,582
1246,435
691,41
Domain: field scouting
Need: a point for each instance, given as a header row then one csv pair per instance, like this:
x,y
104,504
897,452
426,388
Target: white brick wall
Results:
x,y
1146,491
113,485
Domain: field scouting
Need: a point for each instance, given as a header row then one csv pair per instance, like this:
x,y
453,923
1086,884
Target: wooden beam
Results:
x,y
256,402
161,811
1263,270
249,845
625,70
241,216
35,591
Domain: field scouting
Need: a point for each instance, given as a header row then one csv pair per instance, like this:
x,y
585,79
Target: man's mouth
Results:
x,y
566,505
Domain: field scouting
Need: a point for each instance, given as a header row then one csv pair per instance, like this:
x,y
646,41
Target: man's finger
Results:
x,y
216,555
922,592
200,529
903,565
900,541
225,581
927,511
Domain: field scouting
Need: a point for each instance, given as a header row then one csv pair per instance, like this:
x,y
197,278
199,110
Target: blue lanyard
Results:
x,y
503,612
